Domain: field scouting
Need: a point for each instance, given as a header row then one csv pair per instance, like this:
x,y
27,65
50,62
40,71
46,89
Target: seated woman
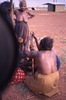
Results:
x,y
45,80
57,58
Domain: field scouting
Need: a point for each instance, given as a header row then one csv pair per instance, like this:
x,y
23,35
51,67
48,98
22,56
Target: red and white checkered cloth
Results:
x,y
18,76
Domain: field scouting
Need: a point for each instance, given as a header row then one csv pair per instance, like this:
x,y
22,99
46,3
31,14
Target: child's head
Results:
x,y
46,43
23,5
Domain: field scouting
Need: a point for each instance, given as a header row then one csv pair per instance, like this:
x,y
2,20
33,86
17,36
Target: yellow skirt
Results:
x,y
43,84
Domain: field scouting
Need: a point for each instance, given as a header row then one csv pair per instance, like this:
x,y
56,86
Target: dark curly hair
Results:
x,y
46,44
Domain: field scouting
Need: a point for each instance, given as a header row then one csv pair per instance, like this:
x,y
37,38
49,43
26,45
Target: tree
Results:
x,y
12,11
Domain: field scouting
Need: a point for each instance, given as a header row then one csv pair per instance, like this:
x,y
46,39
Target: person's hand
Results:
x,y
20,39
32,34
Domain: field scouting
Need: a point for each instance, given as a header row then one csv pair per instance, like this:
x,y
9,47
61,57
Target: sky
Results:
x,y
34,3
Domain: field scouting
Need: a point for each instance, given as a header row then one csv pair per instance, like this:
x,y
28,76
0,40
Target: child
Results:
x,y
22,17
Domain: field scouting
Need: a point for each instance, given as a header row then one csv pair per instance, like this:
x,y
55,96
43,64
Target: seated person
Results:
x,y
45,80
37,44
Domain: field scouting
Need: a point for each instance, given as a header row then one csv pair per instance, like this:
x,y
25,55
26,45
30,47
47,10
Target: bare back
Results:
x,y
46,62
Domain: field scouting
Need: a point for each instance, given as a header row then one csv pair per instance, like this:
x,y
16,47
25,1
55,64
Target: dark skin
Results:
x,y
24,16
45,60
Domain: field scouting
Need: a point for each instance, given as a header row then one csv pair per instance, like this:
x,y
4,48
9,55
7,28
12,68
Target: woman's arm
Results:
x,y
30,54
32,33
31,15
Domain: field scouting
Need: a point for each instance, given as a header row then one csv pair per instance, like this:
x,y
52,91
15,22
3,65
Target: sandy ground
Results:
x,y
45,24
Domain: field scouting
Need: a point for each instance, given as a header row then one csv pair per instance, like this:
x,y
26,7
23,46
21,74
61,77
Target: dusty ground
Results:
x,y
45,24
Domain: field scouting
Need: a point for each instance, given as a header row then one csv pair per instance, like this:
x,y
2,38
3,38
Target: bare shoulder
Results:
x,y
32,54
